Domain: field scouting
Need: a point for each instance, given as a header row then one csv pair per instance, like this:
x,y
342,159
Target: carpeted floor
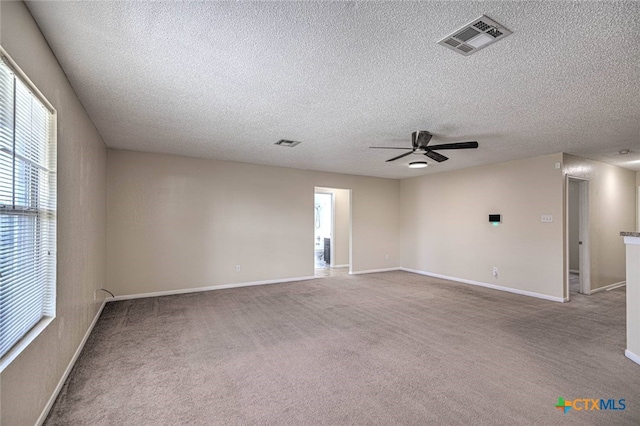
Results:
x,y
331,272
387,348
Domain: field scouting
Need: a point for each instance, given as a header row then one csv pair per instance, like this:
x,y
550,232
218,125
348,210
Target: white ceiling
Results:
x,y
226,80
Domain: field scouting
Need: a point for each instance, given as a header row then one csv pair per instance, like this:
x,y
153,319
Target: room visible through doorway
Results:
x,y
578,280
332,231
323,229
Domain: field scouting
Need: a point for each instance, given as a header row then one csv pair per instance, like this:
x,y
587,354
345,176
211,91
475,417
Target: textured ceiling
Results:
x,y
226,80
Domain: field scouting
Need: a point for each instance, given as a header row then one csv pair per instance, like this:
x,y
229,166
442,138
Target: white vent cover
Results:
x,y
284,142
477,34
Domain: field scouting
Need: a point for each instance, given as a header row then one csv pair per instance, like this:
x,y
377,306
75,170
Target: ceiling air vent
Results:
x,y
452,42
284,142
474,36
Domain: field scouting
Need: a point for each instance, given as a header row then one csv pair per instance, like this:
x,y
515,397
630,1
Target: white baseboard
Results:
x,y
373,271
65,375
487,285
633,357
339,266
209,288
608,287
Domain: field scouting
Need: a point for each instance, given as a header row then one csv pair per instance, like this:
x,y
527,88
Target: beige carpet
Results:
x,y
389,348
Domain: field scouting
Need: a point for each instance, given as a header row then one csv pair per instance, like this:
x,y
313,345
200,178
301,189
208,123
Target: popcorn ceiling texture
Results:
x,y
227,80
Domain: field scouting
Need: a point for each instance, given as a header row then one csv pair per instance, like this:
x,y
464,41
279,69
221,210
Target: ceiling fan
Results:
x,y
420,141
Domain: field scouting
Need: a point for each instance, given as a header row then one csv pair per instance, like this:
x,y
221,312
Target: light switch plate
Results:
x,y
546,218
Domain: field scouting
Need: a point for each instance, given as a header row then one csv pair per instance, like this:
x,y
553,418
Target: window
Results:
x,y
27,212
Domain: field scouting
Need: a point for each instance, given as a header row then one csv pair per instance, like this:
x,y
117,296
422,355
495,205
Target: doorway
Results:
x,y
323,229
332,231
578,271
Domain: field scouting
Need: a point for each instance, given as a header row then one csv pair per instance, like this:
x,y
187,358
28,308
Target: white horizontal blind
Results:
x,y
27,210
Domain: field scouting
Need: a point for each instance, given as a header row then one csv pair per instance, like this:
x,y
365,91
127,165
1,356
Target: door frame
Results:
x,y
583,235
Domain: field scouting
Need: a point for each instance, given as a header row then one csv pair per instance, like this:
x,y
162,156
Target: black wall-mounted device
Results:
x,y
495,218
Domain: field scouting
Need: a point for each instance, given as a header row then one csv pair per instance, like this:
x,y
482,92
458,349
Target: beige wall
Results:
x,y
445,228
341,226
177,223
612,207
28,383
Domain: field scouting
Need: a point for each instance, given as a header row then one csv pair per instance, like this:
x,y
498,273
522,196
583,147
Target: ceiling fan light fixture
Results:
x,y
420,146
418,164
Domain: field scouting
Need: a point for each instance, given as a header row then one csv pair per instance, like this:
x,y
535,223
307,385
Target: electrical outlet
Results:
x,y
495,271
95,295
237,268
386,257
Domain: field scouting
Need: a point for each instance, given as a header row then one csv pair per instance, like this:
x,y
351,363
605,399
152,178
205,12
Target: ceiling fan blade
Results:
x,y
400,156
456,145
422,138
387,147
436,156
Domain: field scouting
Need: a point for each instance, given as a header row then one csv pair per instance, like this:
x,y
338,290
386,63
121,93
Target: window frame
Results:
x,y
42,324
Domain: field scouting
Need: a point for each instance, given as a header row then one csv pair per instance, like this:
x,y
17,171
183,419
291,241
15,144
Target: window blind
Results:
x,y
27,210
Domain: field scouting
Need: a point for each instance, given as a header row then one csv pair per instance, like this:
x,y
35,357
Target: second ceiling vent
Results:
x,y
474,36
287,143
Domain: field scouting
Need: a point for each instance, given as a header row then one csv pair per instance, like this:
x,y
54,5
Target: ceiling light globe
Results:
x,y
418,165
